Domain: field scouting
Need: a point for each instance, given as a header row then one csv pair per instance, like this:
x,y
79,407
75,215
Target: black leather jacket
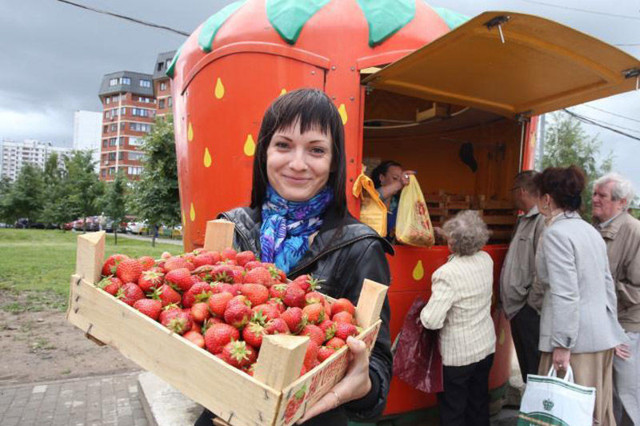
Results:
x,y
343,260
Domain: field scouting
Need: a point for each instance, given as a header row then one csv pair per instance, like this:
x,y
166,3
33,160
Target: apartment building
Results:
x,y
14,155
162,83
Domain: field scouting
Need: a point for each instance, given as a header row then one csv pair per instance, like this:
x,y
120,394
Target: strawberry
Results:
x,y
278,304
177,321
218,303
200,312
196,327
256,293
314,332
222,288
176,262
250,370
277,290
324,353
110,284
167,295
329,329
344,316
237,314
165,255
341,305
129,293
278,275
235,289
228,254
245,257
111,264
344,330
311,355
252,334
194,337
216,256
218,335
314,297
203,259
335,343
314,313
147,262
129,270
294,297
238,274
276,326
295,319
199,292
268,312
167,312
150,280
252,264
149,307
307,283
180,279
259,275
239,354
241,300
222,273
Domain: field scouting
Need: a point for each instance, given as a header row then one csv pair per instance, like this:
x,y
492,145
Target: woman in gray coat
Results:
x,y
579,325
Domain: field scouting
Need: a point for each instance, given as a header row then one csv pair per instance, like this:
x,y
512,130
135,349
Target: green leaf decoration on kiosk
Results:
x,y
212,25
451,18
289,16
386,17
172,66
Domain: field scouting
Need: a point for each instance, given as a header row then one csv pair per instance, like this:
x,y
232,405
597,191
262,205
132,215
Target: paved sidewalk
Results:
x,y
109,400
148,239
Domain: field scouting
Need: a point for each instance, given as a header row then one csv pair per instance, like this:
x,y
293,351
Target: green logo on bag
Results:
x,y
547,404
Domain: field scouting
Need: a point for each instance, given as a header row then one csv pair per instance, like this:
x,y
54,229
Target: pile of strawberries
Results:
x,y
226,302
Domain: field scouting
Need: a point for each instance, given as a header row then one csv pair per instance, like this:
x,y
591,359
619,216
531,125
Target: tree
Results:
x,y
83,187
115,200
567,143
156,197
26,197
5,190
56,209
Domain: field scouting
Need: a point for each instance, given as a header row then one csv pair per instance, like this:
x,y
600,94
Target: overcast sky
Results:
x,y
54,56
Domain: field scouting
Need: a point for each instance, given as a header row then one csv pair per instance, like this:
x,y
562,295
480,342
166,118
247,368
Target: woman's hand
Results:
x,y
622,351
404,179
561,358
355,384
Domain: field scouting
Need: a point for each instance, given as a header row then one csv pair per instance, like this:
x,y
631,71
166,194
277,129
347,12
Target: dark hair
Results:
x,y
564,185
525,180
382,169
313,109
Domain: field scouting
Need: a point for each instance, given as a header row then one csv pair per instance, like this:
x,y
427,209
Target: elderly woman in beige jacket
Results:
x,y
460,305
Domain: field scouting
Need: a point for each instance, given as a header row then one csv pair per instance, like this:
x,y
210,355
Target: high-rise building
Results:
x,y
129,111
14,155
87,133
162,83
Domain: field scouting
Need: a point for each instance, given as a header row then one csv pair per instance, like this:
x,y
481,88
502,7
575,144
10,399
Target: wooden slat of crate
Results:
x,y
500,219
501,234
234,396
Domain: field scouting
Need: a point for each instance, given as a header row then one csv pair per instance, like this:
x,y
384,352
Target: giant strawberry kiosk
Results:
x,y
456,100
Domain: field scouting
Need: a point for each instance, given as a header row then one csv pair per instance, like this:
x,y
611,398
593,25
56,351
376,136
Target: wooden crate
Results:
x,y
275,396
443,206
499,215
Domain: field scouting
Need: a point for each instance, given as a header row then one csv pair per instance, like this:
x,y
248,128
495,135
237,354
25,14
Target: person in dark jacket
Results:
x,y
298,220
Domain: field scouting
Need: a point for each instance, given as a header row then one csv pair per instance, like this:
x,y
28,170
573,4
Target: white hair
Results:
x,y
621,189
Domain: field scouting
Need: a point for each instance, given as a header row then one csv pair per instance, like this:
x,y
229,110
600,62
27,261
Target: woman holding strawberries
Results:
x,y
298,220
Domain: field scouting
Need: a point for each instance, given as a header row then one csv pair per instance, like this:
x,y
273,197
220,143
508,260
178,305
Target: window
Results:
x,y
134,170
122,125
135,156
112,156
106,114
112,171
134,141
105,129
113,127
169,101
104,143
161,103
160,66
145,83
125,80
121,156
113,82
112,142
107,100
104,172
163,86
121,141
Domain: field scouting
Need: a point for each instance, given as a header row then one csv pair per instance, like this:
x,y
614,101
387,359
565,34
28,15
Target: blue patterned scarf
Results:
x,y
287,225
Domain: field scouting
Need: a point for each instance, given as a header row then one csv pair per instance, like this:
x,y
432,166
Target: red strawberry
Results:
x,y
176,262
180,279
252,264
147,262
238,274
277,290
344,316
194,337
237,314
199,292
196,327
110,284
129,293
329,329
235,289
252,334
245,257
129,270
335,343
324,353
239,354
222,288
167,295
241,300
218,303
228,254
278,304
344,330
307,283
314,297
222,273
200,312
295,319
256,293
268,312
149,307
276,326
177,321
314,332
111,264
167,312
165,255
218,335
314,313
259,275
150,280
278,275
203,259
311,355
294,297
341,305
216,256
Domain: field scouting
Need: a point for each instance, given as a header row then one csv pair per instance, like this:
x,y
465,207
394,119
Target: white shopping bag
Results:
x,y
549,400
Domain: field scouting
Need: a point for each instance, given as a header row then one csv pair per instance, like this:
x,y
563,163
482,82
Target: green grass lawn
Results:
x,y
36,265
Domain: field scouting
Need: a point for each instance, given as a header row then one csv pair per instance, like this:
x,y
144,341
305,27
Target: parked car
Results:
x,y
138,227
22,223
67,226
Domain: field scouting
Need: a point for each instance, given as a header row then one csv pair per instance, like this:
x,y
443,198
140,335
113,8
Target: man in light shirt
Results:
x,y
612,194
521,299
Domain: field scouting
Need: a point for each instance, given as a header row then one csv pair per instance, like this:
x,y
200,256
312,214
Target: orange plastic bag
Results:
x,y
373,211
413,226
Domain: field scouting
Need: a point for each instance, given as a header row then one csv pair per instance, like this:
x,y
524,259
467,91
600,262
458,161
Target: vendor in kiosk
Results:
x,y
389,178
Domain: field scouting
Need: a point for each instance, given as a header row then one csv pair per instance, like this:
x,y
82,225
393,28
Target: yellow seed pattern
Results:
x,y
249,146
190,132
207,158
192,213
418,271
184,222
343,113
219,89
283,92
